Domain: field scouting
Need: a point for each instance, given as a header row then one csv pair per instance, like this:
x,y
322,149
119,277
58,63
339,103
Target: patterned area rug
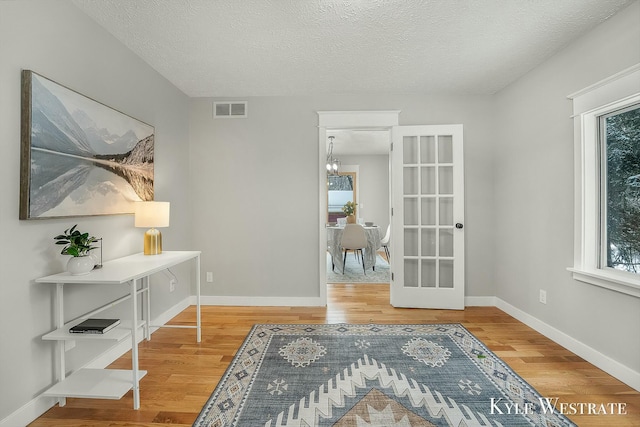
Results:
x,y
371,375
353,272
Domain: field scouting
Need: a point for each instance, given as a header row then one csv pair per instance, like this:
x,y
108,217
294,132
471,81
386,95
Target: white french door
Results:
x,y
427,239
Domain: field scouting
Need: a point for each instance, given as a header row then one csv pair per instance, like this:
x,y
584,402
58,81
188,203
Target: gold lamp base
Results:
x,y
152,242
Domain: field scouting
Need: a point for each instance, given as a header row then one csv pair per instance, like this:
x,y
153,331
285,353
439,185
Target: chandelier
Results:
x,y
332,162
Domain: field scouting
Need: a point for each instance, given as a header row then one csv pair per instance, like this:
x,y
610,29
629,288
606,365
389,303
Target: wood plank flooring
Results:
x,y
182,373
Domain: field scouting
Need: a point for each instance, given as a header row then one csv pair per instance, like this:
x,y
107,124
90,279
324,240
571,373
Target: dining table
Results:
x,y
334,237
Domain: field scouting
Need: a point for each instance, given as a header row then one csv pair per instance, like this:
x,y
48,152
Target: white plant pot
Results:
x,y
80,265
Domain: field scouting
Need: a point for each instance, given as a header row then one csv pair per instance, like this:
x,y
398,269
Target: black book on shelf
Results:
x,y
94,326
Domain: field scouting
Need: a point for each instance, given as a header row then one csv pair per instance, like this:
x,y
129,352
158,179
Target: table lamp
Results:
x,y
152,215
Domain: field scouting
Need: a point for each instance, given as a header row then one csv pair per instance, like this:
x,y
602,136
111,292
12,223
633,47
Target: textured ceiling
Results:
x,y
309,47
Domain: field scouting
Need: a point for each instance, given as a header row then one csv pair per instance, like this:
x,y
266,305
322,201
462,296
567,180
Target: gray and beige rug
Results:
x,y
353,271
371,375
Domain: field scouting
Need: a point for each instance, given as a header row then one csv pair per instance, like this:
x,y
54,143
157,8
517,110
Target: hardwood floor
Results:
x,y
182,373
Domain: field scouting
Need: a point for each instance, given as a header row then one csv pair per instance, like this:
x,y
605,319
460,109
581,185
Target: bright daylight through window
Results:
x,y
620,191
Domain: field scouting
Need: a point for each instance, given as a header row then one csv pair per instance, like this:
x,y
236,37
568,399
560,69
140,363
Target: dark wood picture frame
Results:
x,y
78,156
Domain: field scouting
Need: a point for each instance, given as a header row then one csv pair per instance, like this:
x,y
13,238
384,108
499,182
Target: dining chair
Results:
x,y
333,265
354,239
384,243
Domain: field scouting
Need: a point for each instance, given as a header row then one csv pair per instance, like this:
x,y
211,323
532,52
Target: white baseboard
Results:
x,y
602,361
260,301
29,412
40,404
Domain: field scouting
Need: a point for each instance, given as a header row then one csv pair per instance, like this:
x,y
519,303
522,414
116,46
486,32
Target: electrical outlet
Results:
x,y
172,285
543,296
209,276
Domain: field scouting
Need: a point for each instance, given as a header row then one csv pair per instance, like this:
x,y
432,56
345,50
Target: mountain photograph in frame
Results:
x,y
78,156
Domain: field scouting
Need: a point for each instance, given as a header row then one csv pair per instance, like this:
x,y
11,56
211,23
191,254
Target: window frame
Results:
x,y
615,93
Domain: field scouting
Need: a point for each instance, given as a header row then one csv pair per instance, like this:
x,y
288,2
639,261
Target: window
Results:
x,y
340,190
607,167
620,191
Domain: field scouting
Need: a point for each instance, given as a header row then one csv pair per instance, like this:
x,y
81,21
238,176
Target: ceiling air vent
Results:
x,y
230,110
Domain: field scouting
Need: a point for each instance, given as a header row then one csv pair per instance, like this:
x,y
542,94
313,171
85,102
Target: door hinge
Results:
x,y
391,211
392,146
392,276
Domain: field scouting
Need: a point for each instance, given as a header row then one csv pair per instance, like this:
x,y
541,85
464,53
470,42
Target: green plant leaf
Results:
x,y
77,243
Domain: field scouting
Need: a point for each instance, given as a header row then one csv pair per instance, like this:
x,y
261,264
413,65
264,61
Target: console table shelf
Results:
x,y
62,334
95,384
132,270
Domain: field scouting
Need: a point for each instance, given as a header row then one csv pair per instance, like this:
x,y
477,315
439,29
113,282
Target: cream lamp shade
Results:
x,y
152,215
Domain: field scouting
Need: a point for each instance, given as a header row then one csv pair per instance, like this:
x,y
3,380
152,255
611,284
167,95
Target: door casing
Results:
x,y
347,120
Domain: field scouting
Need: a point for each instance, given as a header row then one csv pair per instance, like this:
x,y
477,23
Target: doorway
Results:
x,y
427,177
331,121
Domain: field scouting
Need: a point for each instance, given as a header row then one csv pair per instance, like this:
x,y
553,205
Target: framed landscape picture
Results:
x,y
78,156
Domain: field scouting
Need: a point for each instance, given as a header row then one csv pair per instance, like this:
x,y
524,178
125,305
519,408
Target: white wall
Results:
x,y
373,192
56,40
534,194
260,241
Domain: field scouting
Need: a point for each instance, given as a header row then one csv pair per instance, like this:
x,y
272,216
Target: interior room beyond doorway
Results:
x,y
364,164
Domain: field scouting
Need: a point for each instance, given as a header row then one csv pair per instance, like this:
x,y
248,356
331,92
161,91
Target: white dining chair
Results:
x,y
333,265
354,239
384,243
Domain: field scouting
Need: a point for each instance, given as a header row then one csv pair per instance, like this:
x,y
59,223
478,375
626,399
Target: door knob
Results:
x,y
459,225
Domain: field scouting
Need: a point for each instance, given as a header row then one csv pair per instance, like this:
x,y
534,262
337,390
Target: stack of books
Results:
x,y
94,326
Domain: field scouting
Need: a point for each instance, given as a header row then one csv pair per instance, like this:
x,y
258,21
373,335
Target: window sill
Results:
x,y
612,281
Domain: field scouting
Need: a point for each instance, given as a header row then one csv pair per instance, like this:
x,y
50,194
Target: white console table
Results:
x,y
113,383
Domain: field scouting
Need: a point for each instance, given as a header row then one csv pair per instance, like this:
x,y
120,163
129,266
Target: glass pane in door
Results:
x,y
427,149
428,245
411,273
445,216
411,181
411,211
428,214
410,242
445,180
428,273
410,150
446,273
427,180
445,248
445,149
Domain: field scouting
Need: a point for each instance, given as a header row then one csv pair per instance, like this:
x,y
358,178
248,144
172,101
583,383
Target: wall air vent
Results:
x,y
230,110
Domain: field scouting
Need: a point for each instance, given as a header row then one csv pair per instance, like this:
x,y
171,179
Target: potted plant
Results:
x,y
349,209
78,245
